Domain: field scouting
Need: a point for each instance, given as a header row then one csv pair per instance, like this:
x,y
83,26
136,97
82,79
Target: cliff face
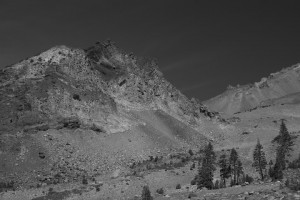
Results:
x,y
89,88
243,98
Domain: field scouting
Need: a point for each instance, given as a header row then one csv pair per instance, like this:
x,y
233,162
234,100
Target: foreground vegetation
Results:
x,y
231,168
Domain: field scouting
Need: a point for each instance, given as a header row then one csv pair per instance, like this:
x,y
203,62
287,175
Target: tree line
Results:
x,y
231,166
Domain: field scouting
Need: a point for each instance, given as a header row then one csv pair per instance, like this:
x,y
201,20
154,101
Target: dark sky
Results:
x,y
201,46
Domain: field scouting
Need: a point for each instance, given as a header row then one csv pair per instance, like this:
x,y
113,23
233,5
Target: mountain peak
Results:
x,y
64,83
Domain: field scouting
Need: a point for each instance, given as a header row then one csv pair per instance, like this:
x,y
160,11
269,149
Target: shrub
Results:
x,y
222,185
295,164
191,152
178,186
50,190
217,184
248,179
232,183
98,188
84,180
146,195
293,184
193,182
193,166
76,97
191,195
4,186
160,191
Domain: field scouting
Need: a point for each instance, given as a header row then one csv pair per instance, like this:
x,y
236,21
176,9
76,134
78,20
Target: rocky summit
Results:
x,y
71,113
95,88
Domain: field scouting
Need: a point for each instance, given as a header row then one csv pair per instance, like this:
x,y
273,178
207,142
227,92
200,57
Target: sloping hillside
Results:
x,y
67,114
242,98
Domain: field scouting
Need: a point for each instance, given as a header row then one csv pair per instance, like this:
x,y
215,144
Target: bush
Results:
x,y
232,183
222,185
248,179
293,184
84,180
193,166
160,191
191,152
295,163
4,186
98,188
192,195
217,184
146,195
193,182
178,186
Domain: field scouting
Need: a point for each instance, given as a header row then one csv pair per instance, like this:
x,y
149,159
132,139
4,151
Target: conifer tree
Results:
x,y
233,159
285,145
224,169
259,159
206,168
277,171
284,140
239,170
217,184
279,166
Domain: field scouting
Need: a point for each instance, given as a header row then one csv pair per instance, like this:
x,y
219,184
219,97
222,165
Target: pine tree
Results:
x,y
239,170
217,184
284,140
277,172
285,145
271,173
206,168
224,168
233,163
259,159
146,195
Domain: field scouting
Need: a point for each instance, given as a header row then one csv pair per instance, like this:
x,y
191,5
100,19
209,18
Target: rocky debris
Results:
x,y
198,108
258,195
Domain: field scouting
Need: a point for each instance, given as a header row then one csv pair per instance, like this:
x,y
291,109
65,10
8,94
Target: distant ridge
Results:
x,y
243,98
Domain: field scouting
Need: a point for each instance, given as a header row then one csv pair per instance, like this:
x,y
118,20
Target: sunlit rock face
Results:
x,y
95,88
264,93
71,113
